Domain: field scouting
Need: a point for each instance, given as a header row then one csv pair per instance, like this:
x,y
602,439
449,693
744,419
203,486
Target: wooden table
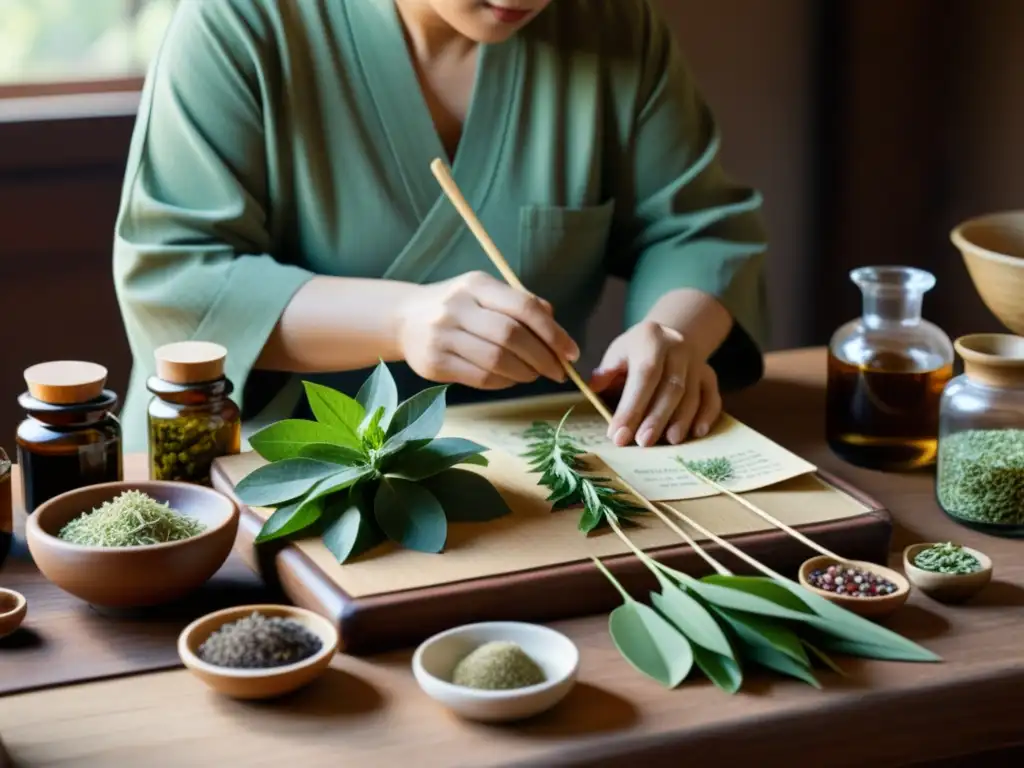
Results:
x,y
370,712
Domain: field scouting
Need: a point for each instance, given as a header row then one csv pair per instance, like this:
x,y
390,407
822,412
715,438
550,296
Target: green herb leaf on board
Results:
x,y
646,640
410,515
418,418
282,481
285,439
769,633
336,454
379,391
780,662
762,587
466,497
339,481
334,408
290,519
436,456
350,529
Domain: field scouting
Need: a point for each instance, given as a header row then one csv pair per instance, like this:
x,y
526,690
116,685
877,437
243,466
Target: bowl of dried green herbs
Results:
x,y
947,572
132,545
258,651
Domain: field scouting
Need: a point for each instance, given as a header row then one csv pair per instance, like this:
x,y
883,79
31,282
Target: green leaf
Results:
x,y
340,480
861,650
334,408
780,662
351,529
410,515
371,432
760,586
336,454
723,671
285,439
692,619
650,644
418,418
436,456
466,497
290,519
728,597
282,481
768,633
379,391
843,624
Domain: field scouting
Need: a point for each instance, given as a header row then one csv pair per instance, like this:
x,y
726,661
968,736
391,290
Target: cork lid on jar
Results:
x,y
66,382
190,362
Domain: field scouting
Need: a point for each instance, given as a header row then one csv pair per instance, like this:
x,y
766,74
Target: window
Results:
x,y
45,43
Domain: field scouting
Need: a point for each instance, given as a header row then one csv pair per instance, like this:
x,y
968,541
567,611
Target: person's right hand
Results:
x,y
477,331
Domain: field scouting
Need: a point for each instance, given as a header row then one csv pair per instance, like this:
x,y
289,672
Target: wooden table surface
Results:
x,y
370,712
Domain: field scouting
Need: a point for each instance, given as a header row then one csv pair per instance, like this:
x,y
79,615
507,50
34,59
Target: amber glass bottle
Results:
x,y
70,437
192,419
886,373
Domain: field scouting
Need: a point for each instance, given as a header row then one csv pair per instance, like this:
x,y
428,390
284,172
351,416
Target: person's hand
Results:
x,y
478,331
666,388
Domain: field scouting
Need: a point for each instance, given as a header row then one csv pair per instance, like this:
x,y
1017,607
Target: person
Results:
x,y
278,200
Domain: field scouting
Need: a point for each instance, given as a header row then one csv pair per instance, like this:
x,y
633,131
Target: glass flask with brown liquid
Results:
x,y
886,373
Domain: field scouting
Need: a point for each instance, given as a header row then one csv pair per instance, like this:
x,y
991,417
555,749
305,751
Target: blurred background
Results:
x,y
871,128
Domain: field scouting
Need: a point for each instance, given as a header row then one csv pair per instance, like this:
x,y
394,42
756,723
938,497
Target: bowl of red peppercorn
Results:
x,y
867,589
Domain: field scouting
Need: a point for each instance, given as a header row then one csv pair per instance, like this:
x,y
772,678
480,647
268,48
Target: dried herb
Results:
x,y
258,641
497,666
947,558
720,623
980,475
132,519
368,469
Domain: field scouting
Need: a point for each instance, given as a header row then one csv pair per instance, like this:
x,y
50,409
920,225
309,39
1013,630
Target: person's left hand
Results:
x,y
667,389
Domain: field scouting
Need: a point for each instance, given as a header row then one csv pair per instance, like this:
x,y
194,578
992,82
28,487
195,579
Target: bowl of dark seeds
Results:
x,y
258,651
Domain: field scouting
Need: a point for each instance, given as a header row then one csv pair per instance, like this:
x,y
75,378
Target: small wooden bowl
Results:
x,y
263,683
868,607
947,587
992,247
13,607
133,577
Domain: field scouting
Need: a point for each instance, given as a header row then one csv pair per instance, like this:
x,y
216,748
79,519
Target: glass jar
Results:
x,y
886,373
70,437
192,419
979,480
6,507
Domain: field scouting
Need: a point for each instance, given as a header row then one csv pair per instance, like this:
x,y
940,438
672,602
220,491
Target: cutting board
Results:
x,y
534,564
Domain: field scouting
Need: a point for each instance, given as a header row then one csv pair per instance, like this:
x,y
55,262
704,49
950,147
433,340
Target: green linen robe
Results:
x,y
280,140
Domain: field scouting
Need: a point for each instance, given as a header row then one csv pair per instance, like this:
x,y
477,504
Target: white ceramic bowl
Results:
x,y
435,661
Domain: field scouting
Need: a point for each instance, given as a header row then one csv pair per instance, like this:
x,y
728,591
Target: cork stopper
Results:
x,y
66,382
190,362
993,359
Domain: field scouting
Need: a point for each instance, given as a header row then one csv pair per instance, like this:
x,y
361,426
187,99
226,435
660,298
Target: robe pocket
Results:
x,y
562,248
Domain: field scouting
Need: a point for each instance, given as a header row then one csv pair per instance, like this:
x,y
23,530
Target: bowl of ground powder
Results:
x,y
258,651
497,671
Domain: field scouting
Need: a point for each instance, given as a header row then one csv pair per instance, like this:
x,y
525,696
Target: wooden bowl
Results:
x,y
947,587
264,683
868,607
13,608
992,247
133,577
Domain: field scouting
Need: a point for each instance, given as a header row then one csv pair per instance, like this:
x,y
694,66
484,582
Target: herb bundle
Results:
x,y
721,624
367,470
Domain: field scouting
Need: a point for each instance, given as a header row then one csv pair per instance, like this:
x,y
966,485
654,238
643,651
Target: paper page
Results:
x,y
655,472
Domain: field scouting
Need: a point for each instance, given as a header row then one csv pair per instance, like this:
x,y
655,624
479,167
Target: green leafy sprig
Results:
x,y
367,470
721,624
556,456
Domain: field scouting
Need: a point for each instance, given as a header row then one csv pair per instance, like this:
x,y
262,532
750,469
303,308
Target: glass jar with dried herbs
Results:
x,y
70,437
192,419
979,479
